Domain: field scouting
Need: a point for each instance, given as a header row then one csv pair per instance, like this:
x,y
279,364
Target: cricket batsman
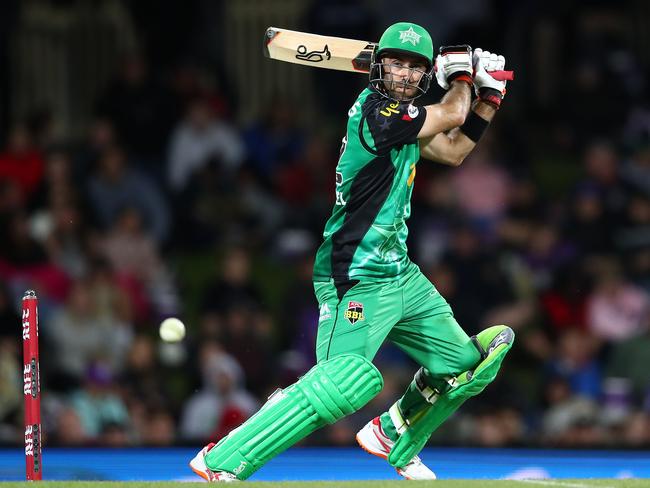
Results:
x,y
367,288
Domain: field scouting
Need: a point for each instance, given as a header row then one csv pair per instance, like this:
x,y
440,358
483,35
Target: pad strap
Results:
x,y
399,421
480,348
431,393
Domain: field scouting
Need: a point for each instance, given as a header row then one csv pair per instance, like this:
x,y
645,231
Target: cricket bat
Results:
x,y
327,52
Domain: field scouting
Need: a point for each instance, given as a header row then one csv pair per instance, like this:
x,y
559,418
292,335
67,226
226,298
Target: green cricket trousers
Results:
x,y
407,310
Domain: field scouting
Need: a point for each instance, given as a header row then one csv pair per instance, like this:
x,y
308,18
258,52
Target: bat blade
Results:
x,y
327,52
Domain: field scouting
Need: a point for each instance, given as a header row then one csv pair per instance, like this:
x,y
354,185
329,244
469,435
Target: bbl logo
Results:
x,y
354,312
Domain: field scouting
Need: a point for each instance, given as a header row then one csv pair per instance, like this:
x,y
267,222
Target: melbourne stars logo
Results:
x,y
409,36
354,312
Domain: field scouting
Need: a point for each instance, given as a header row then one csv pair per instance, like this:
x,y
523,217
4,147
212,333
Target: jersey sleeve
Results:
x,y
393,124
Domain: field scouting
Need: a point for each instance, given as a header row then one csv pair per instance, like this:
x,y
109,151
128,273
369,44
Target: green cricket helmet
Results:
x,y
403,38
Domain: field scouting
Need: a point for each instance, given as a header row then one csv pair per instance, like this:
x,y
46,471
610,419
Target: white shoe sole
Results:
x,y
197,464
367,441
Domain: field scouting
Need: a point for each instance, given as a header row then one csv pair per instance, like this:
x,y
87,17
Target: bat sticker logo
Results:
x,y
313,56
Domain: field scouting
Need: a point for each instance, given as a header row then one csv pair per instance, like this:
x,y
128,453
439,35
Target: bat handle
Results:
x,y
503,75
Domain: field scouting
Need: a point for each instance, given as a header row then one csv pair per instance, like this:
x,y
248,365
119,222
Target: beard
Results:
x,y
401,90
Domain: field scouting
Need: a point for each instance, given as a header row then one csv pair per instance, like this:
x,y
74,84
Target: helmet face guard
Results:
x,y
381,78
403,39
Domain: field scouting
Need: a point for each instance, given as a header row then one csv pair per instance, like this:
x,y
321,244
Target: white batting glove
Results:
x,y
454,63
487,88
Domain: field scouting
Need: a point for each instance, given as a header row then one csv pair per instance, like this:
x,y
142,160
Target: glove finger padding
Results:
x,y
492,62
501,63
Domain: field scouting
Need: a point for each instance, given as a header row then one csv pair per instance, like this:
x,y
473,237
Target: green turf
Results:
x,y
557,483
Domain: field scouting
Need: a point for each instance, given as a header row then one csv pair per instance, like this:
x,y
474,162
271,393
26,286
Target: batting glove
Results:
x,y
487,88
454,63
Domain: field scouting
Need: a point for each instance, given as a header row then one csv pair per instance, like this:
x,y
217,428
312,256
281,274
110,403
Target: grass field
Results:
x,y
557,483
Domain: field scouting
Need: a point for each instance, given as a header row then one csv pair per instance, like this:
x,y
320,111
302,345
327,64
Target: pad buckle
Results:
x,y
430,393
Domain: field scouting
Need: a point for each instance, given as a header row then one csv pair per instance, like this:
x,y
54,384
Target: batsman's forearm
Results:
x,y
458,98
463,140
484,110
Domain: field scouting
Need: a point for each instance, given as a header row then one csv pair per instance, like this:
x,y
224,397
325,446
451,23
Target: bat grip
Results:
x,y
502,75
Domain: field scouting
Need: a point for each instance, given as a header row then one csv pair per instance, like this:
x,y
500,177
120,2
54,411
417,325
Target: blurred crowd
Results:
x,y
169,206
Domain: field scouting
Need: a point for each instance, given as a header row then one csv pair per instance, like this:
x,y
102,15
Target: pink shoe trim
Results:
x,y
376,423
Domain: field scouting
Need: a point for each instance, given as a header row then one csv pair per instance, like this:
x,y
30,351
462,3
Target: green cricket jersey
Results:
x,y
365,238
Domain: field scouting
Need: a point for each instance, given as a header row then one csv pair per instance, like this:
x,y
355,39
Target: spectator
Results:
x,y
68,429
245,336
602,171
58,183
572,423
18,247
628,359
63,235
10,389
576,362
80,335
274,141
24,261
589,225
636,169
636,430
485,188
21,163
116,186
300,312
232,286
9,316
616,309
498,428
112,302
141,376
99,139
136,260
222,399
160,428
547,251
140,109
633,233
564,303
100,409
473,275
199,138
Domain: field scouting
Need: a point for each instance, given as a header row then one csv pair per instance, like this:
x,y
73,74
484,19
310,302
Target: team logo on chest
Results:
x,y
354,312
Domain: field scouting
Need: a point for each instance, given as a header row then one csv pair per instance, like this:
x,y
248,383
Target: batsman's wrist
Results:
x,y
461,76
474,126
491,96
